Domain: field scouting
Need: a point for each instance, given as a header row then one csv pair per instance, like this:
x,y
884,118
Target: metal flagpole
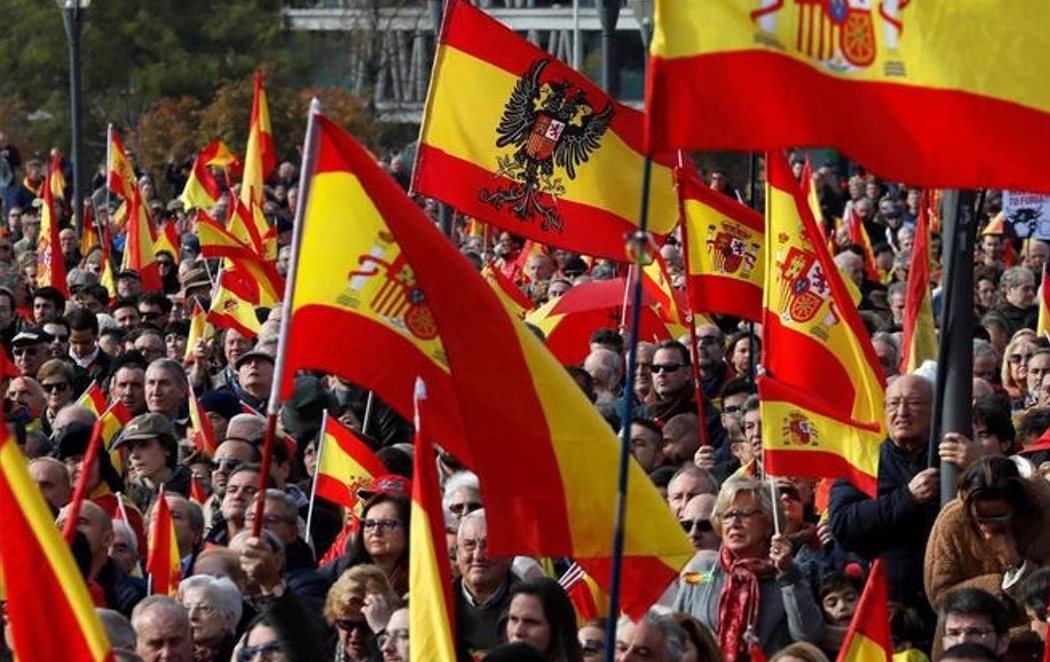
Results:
x,y
954,395
368,412
577,45
313,483
306,172
640,241
753,199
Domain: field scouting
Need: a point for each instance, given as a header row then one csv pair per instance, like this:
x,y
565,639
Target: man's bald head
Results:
x,y
72,414
51,477
246,427
606,367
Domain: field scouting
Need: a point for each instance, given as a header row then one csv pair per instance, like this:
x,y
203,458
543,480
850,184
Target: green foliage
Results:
x,y
133,53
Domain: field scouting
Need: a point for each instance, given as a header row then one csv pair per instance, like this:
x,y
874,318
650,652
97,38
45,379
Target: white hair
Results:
x,y
223,593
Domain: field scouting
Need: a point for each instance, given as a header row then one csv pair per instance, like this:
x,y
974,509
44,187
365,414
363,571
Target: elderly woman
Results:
x,y
358,606
541,615
755,588
1015,370
992,536
56,378
214,606
462,494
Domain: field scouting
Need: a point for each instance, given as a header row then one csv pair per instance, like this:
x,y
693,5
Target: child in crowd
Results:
x,y
839,593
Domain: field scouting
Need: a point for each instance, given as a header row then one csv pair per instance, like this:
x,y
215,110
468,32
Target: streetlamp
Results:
x,y
71,17
608,16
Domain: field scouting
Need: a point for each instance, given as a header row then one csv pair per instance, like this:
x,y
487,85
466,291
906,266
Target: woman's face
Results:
x,y
354,635
208,624
262,644
526,622
384,532
745,527
1018,355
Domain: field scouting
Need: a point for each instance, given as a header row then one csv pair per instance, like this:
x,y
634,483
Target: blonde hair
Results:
x,y
1011,386
352,586
759,491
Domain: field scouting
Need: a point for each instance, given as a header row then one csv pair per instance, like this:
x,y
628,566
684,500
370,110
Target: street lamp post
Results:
x,y
71,17
608,16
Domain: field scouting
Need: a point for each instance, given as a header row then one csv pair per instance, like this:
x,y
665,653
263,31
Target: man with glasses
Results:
x,y
896,524
711,354
30,347
673,392
696,522
233,452
971,615
1018,304
155,310
482,591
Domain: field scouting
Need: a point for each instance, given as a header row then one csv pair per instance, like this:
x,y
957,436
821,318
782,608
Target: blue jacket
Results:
x,y
892,526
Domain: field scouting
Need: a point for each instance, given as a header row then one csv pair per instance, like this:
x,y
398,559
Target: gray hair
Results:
x,y
674,637
1013,276
891,341
711,483
118,628
173,367
985,348
759,490
162,602
896,288
223,593
459,481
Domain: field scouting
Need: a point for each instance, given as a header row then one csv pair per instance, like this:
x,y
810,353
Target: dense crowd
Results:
x,y
780,562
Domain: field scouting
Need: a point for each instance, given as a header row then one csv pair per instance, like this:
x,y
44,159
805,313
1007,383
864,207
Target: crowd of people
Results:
x,y
780,562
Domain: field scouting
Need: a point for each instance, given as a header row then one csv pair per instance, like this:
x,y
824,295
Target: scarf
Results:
x,y
739,603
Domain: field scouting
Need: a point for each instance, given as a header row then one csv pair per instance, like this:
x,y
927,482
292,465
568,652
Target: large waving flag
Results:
x,y
259,157
162,561
725,250
50,265
229,308
513,298
868,637
920,334
519,140
120,175
201,431
431,611
372,268
266,286
344,464
822,395
851,75
139,254
201,191
49,609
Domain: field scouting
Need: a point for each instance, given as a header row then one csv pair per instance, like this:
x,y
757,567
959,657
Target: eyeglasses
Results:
x,y
226,464
150,314
789,493
704,525
347,625
740,515
461,509
1018,358
266,652
592,646
381,524
658,368
24,351
968,633
55,387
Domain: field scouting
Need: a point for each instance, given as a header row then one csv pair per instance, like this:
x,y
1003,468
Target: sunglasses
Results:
x,y
57,387
592,646
704,525
227,465
25,351
789,493
266,651
461,509
658,368
347,625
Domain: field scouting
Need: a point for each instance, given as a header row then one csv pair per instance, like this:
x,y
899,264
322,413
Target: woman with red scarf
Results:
x,y
754,595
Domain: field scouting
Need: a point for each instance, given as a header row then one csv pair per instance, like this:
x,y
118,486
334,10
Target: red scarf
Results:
x,y
738,604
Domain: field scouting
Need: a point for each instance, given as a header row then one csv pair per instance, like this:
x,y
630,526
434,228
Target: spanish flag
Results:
x,y
667,304
373,269
859,77
822,395
517,139
49,609
201,190
120,174
920,334
1043,325
139,254
265,285
344,464
259,157
868,638
168,240
587,598
229,309
725,250
517,303
50,265
56,180
199,330
201,431
858,236
162,562
218,155
114,418
89,236
431,611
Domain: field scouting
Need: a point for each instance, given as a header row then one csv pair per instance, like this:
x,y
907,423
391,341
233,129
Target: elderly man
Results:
x,y
1018,304
895,525
30,347
254,379
166,391
234,452
162,630
696,520
122,591
654,638
51,477
188,521
482,590
125,548
688,482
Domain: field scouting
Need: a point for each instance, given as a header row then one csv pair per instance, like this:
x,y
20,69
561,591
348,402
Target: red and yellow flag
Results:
x,y
259,157
432,612
1043,325
50,265
218,155
858,236
851,75
373,268
822,394
114,417
49,610
868,638
120,174
199,330
168,240
265,285
230,310
587,598
162,562
517,303
139,254
519,140
201,190
57,179
668,304
89,237
725,250
200,427
919,341
344,464
198,494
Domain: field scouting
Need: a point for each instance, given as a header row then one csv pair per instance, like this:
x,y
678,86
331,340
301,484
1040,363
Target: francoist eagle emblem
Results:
x,y
553,128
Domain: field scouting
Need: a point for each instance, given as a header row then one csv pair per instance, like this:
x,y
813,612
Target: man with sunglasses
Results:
x,y
696,522
231,454
673,392
30,347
